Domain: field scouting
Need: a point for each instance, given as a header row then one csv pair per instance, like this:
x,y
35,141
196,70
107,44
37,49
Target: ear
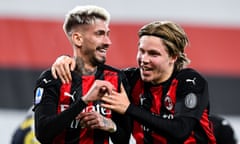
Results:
x,y
77,38
173,59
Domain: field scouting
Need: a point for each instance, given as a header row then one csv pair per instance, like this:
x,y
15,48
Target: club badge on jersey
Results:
x,y
168,103
38,95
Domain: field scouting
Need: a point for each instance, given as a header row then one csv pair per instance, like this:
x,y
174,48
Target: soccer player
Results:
x,y
57,104
169,102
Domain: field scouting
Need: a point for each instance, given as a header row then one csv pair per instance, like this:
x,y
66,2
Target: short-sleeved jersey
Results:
x,y
57,105
185,94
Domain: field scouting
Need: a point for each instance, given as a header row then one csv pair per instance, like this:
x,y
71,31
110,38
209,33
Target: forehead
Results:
x,y
150,42
99,25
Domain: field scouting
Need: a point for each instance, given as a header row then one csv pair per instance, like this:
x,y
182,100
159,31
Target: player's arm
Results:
x,y
48,123
178,128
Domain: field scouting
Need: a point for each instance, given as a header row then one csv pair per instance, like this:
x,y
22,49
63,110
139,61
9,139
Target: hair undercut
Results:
x,y
84,15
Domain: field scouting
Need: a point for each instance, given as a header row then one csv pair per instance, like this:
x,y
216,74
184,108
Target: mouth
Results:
x,y
102,50
146,71
145,68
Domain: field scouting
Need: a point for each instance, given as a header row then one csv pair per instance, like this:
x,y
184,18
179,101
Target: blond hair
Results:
x,y
84,15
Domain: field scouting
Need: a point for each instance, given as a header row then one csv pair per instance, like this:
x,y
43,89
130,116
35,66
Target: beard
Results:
x,y
92,57
99,56
96,61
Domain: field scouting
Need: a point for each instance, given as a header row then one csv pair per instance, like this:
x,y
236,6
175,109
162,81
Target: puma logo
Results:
x,y
191,80
46,81
69,95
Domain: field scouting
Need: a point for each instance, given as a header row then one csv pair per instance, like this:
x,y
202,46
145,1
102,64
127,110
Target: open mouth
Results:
x,y
145,68
102,51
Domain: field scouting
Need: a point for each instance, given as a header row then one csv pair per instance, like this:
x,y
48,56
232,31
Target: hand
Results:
x,y
97,90
61,68
118,102
95,120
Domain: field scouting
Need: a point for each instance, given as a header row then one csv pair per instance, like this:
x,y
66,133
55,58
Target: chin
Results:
x,y
100,61
146,79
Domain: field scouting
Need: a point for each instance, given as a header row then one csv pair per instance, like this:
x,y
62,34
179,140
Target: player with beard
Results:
x,y
169,102
56,104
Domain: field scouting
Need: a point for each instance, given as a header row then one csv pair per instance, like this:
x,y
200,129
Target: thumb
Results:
x,y
122,89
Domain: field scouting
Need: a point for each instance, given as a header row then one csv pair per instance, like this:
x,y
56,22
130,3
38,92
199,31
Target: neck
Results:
x,y
84,68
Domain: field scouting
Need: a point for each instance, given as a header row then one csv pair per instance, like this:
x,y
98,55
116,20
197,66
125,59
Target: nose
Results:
x,y
107,40
143,59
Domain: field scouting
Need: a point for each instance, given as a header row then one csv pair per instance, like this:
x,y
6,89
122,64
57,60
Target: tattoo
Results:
x,y
105,122
80,67
110,125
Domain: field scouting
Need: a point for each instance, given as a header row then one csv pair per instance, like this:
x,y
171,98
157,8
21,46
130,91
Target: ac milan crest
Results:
x,y
168,103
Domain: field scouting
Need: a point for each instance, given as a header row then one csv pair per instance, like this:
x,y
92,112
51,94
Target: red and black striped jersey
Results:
x,y
173,112
57,105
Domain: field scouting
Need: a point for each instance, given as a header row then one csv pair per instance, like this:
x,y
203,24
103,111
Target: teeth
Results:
x,y
103,50
145,69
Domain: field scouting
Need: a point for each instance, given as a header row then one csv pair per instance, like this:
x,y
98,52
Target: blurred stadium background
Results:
x,y
31,37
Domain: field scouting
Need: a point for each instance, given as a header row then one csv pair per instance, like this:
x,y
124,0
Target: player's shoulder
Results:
x,y
191,80
45,73
189,74
46,79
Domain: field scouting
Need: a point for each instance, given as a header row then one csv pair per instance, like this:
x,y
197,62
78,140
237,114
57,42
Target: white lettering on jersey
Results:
x,y
97,108
63,107
168,116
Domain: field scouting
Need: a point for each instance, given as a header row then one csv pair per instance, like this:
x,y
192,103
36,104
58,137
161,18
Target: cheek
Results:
x,y
158,64
138,58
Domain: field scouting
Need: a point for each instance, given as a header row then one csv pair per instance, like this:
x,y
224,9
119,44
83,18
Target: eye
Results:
x,y
140,50
99,33
154,53
108,33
